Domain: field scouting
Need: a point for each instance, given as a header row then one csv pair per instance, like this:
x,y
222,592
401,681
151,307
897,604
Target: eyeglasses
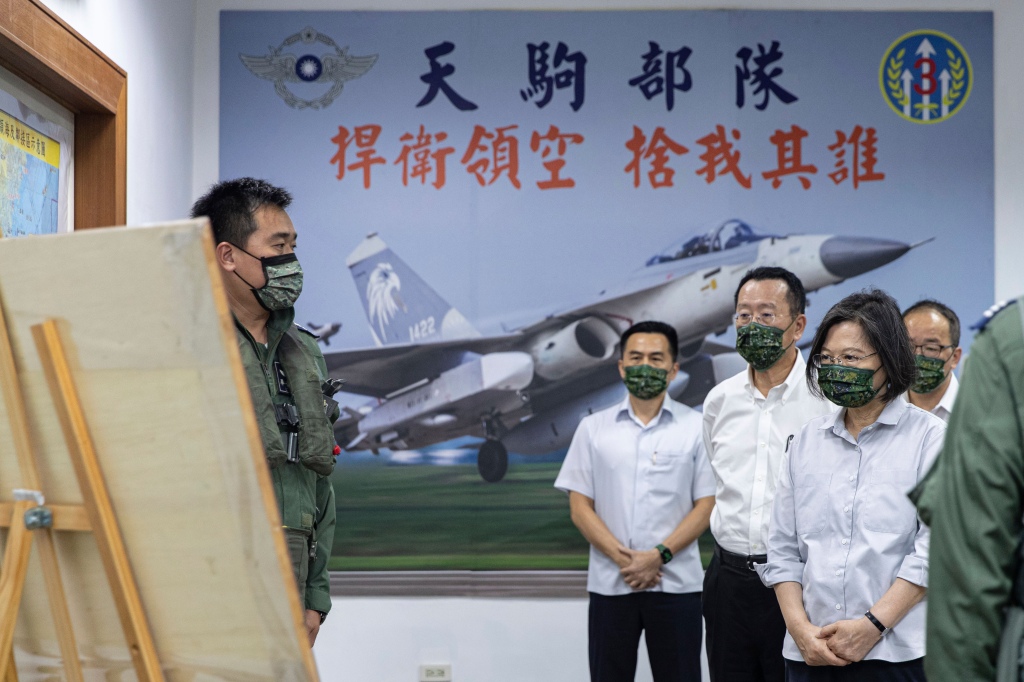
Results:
x,y
930,350
767,319
846,360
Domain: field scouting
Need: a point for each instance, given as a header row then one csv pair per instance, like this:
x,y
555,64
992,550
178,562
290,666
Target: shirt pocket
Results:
x,y
670,473
886,507
810,498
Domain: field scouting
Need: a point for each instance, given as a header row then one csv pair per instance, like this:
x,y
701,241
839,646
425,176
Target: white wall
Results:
x,y
152,41
495,640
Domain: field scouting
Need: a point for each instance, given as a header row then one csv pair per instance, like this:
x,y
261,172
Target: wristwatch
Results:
x,y
665,552
323,616
877,623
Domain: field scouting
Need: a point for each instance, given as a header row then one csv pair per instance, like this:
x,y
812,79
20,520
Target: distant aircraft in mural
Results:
x,y
324,331
436,378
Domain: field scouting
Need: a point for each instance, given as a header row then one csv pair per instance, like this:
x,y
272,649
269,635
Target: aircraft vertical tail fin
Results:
x,y
399,305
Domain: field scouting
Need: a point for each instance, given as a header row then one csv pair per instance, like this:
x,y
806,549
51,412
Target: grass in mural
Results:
x,y
447,518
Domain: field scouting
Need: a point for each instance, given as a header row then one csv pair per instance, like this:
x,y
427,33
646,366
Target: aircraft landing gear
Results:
x,y
492,461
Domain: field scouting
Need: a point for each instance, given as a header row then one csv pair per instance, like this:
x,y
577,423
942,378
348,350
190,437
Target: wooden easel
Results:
x,y
96,515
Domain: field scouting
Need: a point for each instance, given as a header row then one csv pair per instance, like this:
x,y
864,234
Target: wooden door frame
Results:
x,y
39,47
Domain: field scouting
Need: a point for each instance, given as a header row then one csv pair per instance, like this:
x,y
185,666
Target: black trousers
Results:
x,y
671,623
865,671
743,623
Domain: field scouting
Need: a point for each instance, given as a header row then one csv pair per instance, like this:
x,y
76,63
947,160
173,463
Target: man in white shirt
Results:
x,y
640,491
749,421
935,332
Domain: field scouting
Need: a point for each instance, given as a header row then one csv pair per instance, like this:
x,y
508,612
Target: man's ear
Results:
x,y
799,327
225,256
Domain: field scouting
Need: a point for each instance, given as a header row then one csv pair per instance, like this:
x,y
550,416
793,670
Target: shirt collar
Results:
x,y
626,410
796,375
890,415
949,397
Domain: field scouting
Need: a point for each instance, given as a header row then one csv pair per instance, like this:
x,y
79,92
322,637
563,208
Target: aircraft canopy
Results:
x,y
728,235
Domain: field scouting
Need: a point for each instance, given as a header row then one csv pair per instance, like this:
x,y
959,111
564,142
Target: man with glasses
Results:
x,y
749,421
935,332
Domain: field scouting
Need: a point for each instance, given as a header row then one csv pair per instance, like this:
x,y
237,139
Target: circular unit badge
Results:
x,y
925,76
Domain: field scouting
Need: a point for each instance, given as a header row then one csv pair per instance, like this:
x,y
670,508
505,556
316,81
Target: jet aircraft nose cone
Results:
x,y
851,256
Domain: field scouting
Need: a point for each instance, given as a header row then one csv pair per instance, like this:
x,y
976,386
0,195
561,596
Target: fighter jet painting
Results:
x,y
434,378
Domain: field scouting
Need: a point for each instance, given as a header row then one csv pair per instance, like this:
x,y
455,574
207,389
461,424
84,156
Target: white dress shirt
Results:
x,y
746,434
643,480
843,527
945,406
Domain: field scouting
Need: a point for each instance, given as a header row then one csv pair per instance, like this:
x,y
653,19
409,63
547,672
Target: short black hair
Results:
x,y
796,297
230,205
879,317
941,309
651,327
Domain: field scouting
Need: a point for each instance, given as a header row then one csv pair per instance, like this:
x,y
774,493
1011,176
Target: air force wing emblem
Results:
x,y
333,67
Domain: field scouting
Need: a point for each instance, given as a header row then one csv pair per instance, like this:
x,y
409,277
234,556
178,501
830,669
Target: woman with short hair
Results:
x,y
847,555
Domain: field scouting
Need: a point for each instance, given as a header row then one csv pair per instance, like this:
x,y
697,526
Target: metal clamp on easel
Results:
x,y
38,516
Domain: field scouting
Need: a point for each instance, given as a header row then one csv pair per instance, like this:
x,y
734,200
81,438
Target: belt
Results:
x,y
746,561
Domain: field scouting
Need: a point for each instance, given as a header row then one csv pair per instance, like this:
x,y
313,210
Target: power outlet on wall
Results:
x,y
436,672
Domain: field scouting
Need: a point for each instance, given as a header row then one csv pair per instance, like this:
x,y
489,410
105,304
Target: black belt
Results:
x,y
746,561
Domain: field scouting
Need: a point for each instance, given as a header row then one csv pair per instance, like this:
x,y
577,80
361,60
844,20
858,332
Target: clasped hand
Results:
x,y
840,643
640,569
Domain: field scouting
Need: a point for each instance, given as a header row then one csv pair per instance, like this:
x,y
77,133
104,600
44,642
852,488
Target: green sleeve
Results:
x,y
318,585
973,502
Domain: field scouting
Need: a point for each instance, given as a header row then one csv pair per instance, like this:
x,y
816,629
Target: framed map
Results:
x,y
29,179
36,152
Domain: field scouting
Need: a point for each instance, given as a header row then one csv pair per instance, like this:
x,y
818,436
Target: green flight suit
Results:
x,y
972,500
305,498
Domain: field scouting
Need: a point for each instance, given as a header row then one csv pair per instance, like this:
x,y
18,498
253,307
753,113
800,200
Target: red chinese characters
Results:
x,y
555,140
656,152
789,153
424,159
863,142
493,155
364,138
720,158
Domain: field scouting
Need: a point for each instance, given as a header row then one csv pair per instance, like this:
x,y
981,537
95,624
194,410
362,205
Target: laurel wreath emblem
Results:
x,y
956,85
893,72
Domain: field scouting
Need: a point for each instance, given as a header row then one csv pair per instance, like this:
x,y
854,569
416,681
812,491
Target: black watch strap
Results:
x,y
666,553
877,623
323,616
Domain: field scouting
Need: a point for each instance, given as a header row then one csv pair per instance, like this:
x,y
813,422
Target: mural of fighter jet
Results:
x,y
435,378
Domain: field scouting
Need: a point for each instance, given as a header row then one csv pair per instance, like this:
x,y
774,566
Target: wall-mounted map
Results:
x,y
29,179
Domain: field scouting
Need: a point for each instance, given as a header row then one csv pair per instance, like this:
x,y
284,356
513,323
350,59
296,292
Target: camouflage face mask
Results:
x,y
847,386
646,382
930,374
761,345
284,281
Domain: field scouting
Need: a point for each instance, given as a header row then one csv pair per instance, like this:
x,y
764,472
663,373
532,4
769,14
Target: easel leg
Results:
x,y
12,670
97,502
12,581
15,403
59,606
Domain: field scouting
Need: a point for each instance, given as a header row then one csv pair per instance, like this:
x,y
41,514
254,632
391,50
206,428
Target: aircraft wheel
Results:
x,y
492,461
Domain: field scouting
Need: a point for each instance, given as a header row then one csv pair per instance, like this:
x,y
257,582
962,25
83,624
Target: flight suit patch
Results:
x,y
282,379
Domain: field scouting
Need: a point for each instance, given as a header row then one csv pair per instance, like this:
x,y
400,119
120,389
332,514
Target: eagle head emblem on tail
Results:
x,y
382,296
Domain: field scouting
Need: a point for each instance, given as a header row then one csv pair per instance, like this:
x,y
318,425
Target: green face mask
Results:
x,y
847,386
284,281
930,374
760,345
646,382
